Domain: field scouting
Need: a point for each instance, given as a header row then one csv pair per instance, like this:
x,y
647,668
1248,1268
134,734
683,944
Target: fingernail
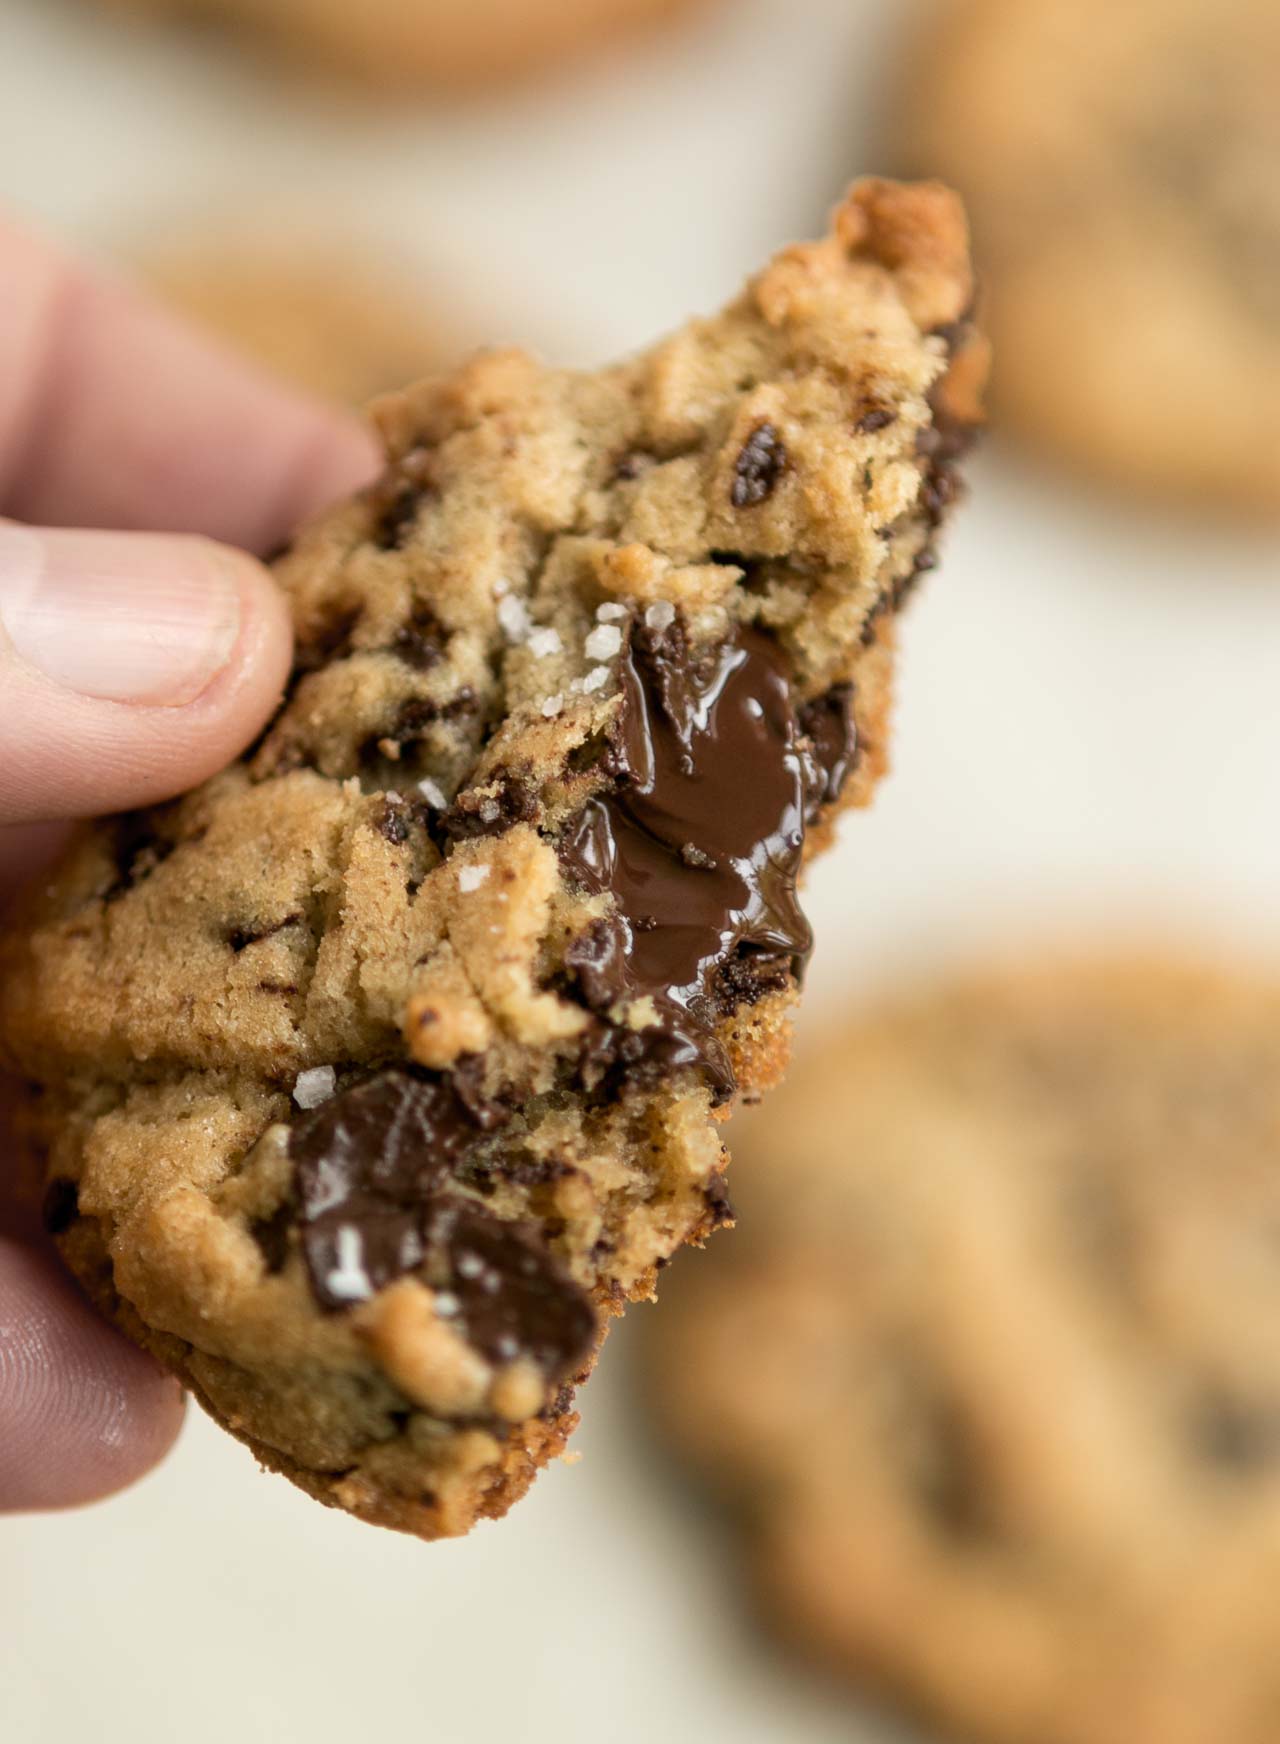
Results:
x,y
127,617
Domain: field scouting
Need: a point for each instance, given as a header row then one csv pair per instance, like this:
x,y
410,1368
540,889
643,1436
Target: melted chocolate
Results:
x,y
829,724
700,844
375,1174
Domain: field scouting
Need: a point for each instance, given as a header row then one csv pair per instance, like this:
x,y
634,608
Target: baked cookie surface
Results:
x,y
1122,168
379,1071
316,315
442,44
992,1361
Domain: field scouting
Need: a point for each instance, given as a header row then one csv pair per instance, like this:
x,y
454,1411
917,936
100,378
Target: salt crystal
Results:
x,y
432,792
553,705
660,615
315,1086
349,1281
543,642
597,676
513,615
471,878
603,642
610,613
447,1303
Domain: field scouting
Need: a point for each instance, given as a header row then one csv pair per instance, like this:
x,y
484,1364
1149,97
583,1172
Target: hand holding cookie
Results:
x,y
132,662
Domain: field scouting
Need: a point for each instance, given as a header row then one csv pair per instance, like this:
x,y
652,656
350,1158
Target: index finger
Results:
x,y
114,413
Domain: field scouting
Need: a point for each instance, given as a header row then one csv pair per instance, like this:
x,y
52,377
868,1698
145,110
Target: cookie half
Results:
x,y
382,1069
992,1363
1122,167
430,44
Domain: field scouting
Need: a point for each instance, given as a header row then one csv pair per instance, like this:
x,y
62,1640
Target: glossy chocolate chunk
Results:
x,y
375,1178
700,844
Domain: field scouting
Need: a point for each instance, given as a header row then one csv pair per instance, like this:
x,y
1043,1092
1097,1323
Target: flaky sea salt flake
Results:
x,y
314,1086
603,642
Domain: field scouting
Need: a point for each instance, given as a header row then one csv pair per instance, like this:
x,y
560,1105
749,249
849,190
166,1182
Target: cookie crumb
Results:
x,y
314,1086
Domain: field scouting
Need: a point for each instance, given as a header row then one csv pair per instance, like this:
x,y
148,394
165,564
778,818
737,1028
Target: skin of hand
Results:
x,y
136,658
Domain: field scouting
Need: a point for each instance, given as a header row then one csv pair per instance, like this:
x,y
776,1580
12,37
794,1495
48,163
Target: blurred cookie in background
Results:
x,y
991,1366
1122,168
322,317
437,44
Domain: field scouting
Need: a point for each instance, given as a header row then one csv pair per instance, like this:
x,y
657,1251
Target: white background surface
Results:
x,y
1089,732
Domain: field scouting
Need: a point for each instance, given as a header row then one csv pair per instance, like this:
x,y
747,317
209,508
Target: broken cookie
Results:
x,y
381,1070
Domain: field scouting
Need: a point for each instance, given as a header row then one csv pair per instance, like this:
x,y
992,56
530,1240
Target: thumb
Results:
x,y
132,665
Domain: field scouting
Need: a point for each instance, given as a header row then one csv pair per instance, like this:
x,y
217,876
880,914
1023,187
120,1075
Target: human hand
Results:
x,y
134,662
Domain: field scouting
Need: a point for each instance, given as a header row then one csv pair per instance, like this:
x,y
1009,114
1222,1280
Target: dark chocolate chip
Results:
x,y
61,1205
720,1210
394,821
241,937
514,1297
138,849
272,1235
1237,1438
875,418
760,464
421,642
377,1169
829,725
473,814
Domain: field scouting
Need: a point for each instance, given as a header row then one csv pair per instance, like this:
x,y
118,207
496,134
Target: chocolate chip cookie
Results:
x,y
314,314
381,1070
992,1362
1122,166
441,44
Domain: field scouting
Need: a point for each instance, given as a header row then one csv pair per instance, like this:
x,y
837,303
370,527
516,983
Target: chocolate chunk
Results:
x,y
394,821
709,757
138,850
760,465
829,725
875,418
749,976
1237,1438
490,814
397,498
514,1298
420,643
61,1205
241,937
272,1235
367,1162
719,1205
376,1173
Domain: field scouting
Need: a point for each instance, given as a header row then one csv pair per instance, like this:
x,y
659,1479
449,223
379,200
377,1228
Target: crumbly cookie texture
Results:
x,y
992,1360
1122,168
315,314
426,44
385,1067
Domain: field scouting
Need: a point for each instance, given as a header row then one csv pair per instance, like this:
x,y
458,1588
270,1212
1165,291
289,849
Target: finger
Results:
x,y
82,1412
132,666
114,413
